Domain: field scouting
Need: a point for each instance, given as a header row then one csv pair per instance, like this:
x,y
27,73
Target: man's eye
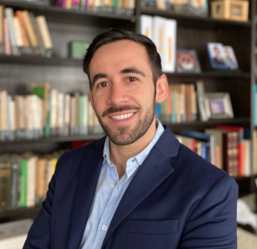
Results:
x,y
102,84
132,79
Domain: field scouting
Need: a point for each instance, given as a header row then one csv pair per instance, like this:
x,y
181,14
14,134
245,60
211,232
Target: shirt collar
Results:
x,y
143,154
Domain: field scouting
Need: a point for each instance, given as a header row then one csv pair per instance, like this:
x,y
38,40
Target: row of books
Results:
x,y
199,7
180,105
46,113
24,179
227,147
255,149
110,6
255,105
23,33
163,32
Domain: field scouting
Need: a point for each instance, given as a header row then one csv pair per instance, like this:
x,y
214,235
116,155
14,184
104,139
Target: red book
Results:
x,y
240,131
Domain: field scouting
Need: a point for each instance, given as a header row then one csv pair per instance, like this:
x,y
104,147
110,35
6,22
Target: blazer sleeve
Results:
x,y
212,224
39,233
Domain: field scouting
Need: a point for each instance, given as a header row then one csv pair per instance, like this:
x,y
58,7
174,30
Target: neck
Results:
x,y
119,155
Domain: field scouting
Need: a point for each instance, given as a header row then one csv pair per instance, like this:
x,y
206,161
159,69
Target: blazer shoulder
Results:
x,y
191,163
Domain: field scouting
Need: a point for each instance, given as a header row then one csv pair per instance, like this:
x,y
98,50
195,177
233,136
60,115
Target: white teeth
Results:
x,y
123,116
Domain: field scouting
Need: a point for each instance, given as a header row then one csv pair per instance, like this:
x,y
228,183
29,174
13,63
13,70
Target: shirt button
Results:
x,y
111,185
104,227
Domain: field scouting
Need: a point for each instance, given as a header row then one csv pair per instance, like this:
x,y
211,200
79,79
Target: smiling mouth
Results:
x,y
122,116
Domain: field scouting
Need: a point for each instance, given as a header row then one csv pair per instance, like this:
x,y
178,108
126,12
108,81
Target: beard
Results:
x,y
126,135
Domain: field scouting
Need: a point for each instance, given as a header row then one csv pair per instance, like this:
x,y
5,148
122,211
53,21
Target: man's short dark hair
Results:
x,y
117,35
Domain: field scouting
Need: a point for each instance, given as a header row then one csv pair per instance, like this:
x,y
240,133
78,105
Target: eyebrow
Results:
x,y
132,70
97,77
123,71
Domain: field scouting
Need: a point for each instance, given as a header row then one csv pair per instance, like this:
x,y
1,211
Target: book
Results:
x,y
5,183
45,35
170,40
129,6
23,183
9,15
30,32
7,42
210,139
25,50
2,49
41,50
42,91
15,161
146,26
200,92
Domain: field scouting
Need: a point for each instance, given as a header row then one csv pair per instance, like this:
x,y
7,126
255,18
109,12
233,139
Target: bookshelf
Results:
x,y
17,72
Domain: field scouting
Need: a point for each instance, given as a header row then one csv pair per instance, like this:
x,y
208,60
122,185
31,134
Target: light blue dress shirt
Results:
x,y
109,192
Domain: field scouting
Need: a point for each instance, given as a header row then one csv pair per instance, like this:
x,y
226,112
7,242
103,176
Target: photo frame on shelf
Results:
x,y
218,105
199,7
187,61
216,55
236,10
231,60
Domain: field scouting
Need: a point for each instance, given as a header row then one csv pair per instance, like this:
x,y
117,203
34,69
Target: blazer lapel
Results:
x,y
155,169
87,181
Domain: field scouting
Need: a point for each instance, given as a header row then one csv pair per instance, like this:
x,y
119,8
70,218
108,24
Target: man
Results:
x,y
137,188
217,58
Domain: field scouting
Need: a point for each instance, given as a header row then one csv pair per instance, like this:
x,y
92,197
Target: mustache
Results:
x,y
114,109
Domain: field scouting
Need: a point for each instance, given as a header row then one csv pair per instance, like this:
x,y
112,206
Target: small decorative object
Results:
x,y
77,49
230,9
231,60
199,7
187,61
217,56
218,106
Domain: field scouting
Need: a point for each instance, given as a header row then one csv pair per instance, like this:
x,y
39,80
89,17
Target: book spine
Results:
x,y
2,49
9,15
23,187
7,41
5,185
15,172
45,35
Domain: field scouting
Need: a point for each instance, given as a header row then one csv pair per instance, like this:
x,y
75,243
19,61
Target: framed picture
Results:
x,y
199,7
187,61
231,60
218,106
230,9
217,56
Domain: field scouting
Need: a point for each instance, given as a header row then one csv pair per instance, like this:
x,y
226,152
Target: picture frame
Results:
x,y
216,55
236,10
218,105
231,60
187,61
199,7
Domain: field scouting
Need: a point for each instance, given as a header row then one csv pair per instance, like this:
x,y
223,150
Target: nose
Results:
x,y
118,94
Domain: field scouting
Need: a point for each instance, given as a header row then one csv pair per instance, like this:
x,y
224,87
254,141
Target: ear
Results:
x,y
162,89
91,99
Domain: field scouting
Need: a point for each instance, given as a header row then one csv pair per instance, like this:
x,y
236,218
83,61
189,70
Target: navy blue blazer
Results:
x,y
176,200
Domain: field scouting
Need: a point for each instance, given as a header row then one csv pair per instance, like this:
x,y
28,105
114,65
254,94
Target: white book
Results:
x,y
170,40
159,24
31,181
17,32
60,110
53,110
66,114
146,26
9,15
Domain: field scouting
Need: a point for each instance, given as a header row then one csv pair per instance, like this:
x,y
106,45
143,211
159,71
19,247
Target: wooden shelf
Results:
x,y
213,74
55,12
54,139
20,211
195,20
38,60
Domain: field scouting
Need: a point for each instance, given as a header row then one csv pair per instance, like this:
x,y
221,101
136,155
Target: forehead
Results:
x,y
122,54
